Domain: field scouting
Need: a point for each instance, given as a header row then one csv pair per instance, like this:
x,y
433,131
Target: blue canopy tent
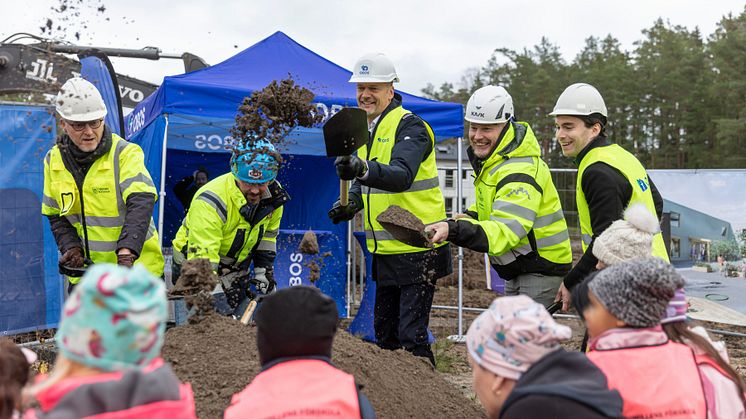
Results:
x,y
186,124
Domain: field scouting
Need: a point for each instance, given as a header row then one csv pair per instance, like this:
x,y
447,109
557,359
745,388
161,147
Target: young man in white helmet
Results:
x,y
234,221
98,195
609,177
517,218
396,167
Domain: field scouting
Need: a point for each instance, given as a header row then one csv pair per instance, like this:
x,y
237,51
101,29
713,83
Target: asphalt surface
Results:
x,y
714,286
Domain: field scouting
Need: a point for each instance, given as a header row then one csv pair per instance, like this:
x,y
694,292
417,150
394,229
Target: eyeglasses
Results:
x,y
80,126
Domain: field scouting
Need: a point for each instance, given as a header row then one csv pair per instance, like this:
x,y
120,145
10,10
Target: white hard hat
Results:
x,y
373,68
489,105
80,101
580,99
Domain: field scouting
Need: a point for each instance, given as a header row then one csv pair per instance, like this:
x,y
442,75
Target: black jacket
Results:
x,y
185,190
608,193
139,206
397,176
562,385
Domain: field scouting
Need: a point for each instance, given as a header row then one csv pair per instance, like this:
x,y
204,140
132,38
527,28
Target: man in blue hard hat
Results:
x,y
234,220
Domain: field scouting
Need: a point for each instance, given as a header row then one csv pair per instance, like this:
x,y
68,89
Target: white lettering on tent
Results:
x,y
296,269
326,111
136,121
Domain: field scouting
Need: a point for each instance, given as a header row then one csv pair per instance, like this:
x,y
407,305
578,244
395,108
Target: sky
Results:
x,y
429,41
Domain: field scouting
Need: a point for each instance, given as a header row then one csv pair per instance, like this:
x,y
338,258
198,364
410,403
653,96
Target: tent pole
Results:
x,y
459,338
162,193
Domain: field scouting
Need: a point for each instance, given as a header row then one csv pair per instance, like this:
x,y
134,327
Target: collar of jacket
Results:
x,y
395,103
76,161
628,337
510,144
595,142
275,197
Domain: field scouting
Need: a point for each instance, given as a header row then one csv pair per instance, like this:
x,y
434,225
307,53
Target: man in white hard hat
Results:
x,y
517,218
609,177
395,167
98,195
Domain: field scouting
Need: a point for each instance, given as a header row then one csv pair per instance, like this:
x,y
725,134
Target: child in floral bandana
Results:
x,y
109,343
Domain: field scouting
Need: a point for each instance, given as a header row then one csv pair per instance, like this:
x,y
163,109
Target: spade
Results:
x,y
344,134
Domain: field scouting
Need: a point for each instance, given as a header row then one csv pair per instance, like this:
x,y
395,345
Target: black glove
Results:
x,y
339,213
350,167
73,258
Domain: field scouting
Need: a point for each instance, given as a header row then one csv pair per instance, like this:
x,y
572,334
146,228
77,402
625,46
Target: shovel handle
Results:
x,y
344,188
249,312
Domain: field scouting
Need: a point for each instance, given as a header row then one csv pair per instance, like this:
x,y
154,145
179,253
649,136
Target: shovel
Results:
x,y
344,134
405,227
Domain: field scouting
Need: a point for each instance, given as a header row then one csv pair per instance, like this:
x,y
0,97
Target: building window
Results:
x,y
464,174
463,204
675,219
449,178
449,206
675,247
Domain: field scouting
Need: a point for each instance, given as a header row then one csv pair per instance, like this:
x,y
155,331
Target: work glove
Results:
x,y
73,258
338,213
126,259
350,167
264,279
228,278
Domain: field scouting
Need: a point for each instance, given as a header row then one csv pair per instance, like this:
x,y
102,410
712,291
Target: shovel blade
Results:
x,y
406,235
345,132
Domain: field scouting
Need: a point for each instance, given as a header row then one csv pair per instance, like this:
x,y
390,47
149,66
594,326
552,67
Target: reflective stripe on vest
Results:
x,y
105,185
628,165
423,198
301,388
670,366
218,202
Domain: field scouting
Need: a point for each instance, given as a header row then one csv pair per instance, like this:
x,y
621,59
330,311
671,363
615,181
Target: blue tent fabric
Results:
x,y
194,112
97,71
30,286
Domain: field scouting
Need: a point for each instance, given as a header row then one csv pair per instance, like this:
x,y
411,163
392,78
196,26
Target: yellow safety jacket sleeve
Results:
x,y
205,228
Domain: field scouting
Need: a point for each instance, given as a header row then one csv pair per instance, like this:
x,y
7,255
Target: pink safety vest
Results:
x,y
304,388
659,381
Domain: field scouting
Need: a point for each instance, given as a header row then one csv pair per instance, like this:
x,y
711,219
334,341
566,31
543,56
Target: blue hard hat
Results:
x,y
255,162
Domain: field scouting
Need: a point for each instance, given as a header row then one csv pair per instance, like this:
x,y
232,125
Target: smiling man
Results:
x,y
395,167
98,195
609,177
234,221
517,218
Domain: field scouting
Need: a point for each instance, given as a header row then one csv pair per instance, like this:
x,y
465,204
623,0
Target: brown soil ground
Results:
x,y
219,358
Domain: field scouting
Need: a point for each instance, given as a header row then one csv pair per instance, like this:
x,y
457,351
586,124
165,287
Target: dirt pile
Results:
x,y
218,357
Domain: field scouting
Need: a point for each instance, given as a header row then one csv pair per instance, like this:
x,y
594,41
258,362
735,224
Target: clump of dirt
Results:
x,y
272,112
309,244
196,283
404,226
68,15
219,358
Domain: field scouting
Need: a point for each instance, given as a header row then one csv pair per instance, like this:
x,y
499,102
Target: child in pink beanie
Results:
x,y
520,370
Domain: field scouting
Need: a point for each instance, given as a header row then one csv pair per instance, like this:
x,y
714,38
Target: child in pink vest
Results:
x,y
622,306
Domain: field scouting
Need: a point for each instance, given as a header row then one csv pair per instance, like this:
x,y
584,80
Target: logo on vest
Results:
x,y
382,140
643,185
255,174
67,199
520,190
100,190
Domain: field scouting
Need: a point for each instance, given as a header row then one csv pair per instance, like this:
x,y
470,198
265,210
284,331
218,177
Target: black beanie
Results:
x,y
294,322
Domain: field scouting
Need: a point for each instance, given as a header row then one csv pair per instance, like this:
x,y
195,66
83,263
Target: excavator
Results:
x,y
29,63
